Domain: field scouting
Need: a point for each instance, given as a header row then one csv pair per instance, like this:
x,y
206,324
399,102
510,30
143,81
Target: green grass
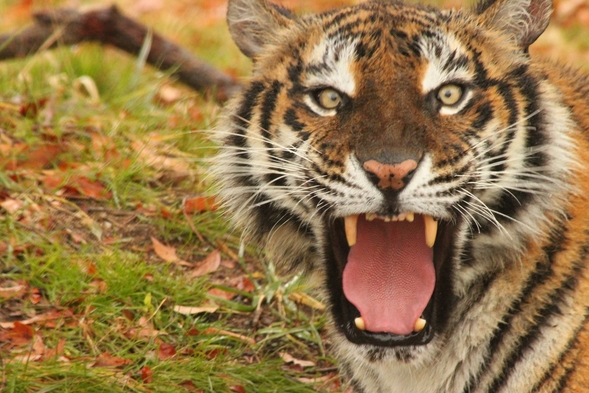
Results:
x,y
91,260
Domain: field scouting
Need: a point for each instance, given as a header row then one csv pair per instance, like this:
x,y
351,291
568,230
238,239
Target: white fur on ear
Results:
x,y
524,20
254,23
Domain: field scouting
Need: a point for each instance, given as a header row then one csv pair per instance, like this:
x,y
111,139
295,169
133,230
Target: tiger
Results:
x,y
431,176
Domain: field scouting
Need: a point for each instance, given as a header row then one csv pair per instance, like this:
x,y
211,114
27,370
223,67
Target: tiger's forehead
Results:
x,y
384,33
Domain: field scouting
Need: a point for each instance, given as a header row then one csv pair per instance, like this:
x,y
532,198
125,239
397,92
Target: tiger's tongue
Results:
x,y
390,274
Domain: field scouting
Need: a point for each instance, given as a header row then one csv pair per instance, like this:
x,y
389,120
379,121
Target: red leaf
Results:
x,y
107,360
21,334
146,374
165,351
35,296
40,157
31,109
188,385
87,187
208,265
237,388
200,204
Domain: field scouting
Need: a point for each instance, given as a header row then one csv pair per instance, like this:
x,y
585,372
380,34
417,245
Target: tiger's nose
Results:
x,y
393,176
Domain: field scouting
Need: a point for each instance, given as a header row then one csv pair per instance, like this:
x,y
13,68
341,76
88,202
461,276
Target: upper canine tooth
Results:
x,y
351,226
431,230
410,217
370,216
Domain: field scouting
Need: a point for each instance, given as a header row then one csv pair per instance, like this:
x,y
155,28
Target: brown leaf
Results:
x,y
216,292
189,310
237,388
51,315
107,360
189,386
146,374
288,358
208,265
90,188
12,205
165,351
213,330
166,253
40,157
200,204
21,334
17,290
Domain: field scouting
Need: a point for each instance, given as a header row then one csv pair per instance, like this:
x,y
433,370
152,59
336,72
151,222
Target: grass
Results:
x,y
76,224
94,164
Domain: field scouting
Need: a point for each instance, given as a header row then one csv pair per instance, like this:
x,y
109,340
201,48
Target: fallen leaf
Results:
x,y
13,291
107,360
165,351
12,205
288,358
213,331
237,388
40,157
189,310
144,332
217,292
146,374
51,315
166,253
21,334
200,204
35,295
208,265
188,385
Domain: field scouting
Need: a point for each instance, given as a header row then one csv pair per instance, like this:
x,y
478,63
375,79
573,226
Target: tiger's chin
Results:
x,y
382,278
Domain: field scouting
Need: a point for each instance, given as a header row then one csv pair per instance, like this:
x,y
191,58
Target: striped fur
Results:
x,y
504,170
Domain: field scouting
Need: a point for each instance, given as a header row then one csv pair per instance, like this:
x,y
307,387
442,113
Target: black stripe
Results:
x,y
562,382
539,276
291,119
540,320
268,106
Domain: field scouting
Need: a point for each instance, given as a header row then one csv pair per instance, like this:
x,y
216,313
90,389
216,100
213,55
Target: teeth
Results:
x,y
431,230
361,325
410,217
351,225
419,325
370,216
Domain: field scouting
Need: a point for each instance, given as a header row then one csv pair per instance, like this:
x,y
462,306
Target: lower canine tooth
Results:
x,y
431,230
419,325
351,225
360,323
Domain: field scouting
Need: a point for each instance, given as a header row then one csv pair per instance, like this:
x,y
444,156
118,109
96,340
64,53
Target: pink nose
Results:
x,y
390,175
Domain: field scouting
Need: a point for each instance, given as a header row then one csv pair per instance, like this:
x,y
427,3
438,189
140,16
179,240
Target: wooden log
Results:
x,y
111,27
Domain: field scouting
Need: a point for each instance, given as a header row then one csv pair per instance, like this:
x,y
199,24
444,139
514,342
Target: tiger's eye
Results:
x,y
329,98
449,94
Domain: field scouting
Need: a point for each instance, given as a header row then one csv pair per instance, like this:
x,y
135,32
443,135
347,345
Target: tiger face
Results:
x,y
416,161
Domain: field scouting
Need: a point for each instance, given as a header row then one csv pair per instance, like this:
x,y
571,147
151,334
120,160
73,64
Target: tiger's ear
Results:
x,y
254,23
524,20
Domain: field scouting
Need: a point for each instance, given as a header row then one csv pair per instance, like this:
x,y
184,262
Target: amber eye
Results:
x,y
329,98
450,94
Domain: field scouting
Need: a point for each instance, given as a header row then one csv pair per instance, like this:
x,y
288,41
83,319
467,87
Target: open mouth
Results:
x,y
384,277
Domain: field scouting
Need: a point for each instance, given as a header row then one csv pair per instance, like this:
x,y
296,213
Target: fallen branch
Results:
x,y
109,26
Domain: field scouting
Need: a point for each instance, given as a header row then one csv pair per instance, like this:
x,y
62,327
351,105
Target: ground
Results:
x,y
117,270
